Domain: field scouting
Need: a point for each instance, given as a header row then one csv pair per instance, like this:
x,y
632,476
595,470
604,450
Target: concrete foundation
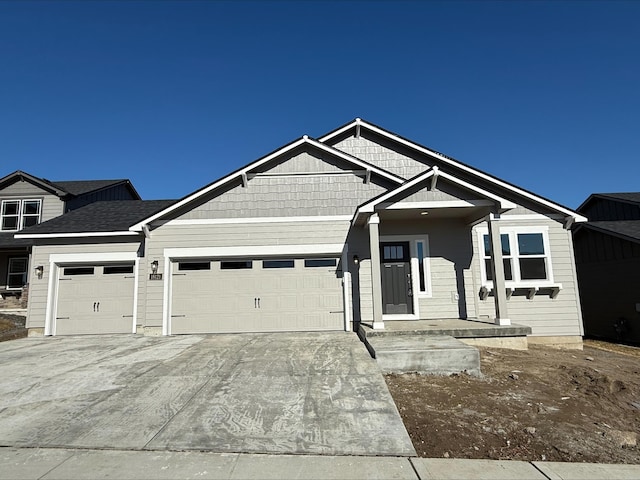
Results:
x,y
512,343
435,355
36,332
569,342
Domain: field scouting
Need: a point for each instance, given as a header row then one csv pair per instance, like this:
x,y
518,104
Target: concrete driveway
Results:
x,y
263,393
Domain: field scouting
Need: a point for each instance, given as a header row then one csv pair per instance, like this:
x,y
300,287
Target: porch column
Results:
x,y
376,283
497,269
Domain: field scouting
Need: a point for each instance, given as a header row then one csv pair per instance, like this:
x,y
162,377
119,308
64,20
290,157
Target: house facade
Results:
x,y
357,226
608,265
25,201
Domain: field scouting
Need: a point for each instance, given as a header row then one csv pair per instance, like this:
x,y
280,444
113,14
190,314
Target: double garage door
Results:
x,y
95,299
256,295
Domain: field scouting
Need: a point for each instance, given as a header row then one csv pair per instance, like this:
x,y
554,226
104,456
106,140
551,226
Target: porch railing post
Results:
x,y
497,269
376,282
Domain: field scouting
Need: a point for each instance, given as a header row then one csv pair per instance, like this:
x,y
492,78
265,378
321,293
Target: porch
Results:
x,y
440,347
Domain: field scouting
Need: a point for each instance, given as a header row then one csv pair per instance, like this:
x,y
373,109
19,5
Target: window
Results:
x,y
19,214
17,275
525,253
278,263
118,269
320,262
194,266
71,271
236,265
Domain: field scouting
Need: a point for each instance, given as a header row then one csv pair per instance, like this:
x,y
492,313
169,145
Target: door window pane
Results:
x,y
236,265
194,266
278,263
320,262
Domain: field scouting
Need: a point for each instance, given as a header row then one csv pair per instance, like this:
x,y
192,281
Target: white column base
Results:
x,y
378,325
502,321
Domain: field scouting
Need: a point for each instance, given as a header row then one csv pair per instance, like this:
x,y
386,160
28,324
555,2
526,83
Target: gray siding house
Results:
x,y
608,265
359,226
25,201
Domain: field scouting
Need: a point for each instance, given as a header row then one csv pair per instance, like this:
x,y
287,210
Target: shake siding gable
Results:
x,y
289,196
385,157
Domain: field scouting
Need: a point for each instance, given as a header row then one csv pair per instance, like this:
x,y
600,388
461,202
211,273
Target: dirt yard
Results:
x,y
12,327
540,404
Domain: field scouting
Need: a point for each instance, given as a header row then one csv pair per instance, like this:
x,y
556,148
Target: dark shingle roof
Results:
x,y
627,229
80,187
111,216
7,240
633,197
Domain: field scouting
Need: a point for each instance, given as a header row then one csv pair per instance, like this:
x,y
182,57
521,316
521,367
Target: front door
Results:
x,y
395,268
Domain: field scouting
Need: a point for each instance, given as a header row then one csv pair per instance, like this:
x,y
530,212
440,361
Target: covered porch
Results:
x,y
423,258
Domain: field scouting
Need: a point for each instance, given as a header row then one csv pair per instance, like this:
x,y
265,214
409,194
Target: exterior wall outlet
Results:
x,y
455,296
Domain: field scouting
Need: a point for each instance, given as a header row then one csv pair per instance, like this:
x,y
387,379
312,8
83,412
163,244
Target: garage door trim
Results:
x,y
57,260
173,254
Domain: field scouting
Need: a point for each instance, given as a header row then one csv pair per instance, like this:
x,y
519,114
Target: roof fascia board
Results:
x,y
577,217
239,173
76,234
605,196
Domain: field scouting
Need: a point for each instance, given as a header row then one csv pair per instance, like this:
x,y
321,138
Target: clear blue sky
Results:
x,y
174,95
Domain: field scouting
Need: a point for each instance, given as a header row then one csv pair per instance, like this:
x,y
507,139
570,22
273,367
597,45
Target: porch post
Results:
x,y
497,269
376,283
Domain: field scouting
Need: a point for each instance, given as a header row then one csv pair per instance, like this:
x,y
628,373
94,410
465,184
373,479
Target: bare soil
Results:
x,y
12,327
540,404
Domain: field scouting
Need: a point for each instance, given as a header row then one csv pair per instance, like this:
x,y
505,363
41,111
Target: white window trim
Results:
x,y
512,232
21,214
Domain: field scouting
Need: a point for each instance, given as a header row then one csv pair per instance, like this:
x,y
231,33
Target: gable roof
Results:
x,y
432,172
625,197
97,219
39,182
305,140
66,188
625,229
358,124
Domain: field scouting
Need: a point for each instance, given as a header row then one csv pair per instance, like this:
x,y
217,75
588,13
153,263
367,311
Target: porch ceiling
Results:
x,y
466,214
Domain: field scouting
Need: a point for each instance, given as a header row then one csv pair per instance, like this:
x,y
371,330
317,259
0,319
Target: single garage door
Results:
x,y
95,299
256,295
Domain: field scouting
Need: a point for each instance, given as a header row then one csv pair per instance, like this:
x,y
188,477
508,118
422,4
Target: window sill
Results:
x,y
530,289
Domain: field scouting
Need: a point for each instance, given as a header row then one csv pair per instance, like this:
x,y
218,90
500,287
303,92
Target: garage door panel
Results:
x,y
95,303
256,299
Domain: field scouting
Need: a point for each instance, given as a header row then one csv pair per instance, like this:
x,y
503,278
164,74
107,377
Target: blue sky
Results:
x,y
174,95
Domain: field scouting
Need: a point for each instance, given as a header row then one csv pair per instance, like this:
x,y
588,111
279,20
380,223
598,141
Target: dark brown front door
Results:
x,y
395,270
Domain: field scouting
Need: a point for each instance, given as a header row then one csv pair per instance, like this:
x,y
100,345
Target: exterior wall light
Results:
x,y
39,271
356,259
154,267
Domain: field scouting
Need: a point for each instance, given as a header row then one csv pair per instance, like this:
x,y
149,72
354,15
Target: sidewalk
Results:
x,y
51,463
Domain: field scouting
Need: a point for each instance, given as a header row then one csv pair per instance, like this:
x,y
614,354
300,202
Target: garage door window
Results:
x,y
118,269
194,266
236,264
78,271
321,262
278,264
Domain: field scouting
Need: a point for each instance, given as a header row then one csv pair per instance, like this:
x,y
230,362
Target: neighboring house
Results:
x,y
360,225
608,264
25,201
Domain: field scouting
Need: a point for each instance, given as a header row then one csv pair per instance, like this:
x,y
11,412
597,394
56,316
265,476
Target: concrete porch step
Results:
x,y
435,355
453,327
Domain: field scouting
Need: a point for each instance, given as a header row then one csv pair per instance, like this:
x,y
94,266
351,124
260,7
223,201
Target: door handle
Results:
x,y
98,307
255,302
258,302
94,306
